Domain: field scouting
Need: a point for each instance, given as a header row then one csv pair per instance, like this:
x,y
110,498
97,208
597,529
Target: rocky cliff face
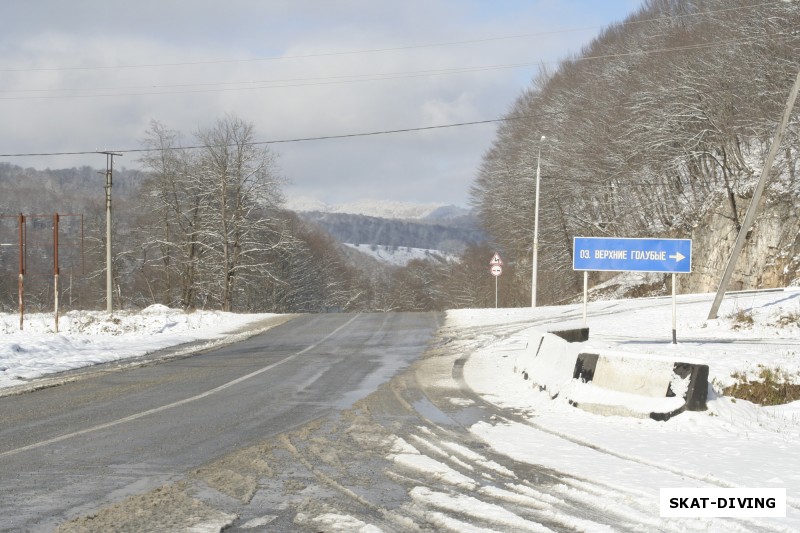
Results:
x,y
770,258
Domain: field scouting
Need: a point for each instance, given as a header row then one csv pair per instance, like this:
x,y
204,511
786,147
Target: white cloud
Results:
x,y
84,108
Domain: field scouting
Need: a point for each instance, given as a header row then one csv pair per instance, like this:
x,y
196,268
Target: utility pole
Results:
x,y
535,259
752,209
109,280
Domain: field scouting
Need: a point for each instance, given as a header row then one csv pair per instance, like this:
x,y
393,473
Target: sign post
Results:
x,y
496,268
672,256
585,295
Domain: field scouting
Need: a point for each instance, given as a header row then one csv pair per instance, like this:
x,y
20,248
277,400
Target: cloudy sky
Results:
x,y
91,75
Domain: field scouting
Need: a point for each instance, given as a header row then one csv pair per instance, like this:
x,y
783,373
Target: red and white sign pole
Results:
x,y
496,268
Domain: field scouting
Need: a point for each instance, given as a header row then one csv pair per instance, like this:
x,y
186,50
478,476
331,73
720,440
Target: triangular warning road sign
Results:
x,y
496,260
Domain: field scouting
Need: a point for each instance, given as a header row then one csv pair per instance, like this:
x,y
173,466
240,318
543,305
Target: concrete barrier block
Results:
x,y
548,361
646,377
634,375
572,335
609,382
697,391
585,366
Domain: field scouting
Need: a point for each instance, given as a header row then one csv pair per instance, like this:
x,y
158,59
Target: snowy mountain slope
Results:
x,y
381,228
399,255
379,209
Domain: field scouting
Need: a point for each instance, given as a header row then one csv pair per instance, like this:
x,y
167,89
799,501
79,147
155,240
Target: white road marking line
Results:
x,y
179,402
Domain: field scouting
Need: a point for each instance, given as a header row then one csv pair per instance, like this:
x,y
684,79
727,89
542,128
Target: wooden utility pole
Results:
x,y
752,209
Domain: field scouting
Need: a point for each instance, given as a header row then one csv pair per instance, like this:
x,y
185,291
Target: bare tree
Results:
x,y
211,222
241,228
174,206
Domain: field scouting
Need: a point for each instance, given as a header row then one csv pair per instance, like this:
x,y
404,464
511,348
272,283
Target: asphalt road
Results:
x,y
68,450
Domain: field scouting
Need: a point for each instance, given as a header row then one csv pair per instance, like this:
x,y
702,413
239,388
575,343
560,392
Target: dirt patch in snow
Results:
x,y
171,507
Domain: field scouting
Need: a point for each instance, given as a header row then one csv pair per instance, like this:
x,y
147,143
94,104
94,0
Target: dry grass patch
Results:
x,y
773,387
743,318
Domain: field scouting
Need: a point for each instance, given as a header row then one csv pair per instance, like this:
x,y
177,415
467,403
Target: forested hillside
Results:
x,y
39,194
206,228
659,127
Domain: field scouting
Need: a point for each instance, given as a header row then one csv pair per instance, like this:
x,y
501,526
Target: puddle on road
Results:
x,y
468,416
424,407
383,369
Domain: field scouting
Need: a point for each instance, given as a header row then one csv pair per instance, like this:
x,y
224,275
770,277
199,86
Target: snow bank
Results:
x,y
733,444
88,338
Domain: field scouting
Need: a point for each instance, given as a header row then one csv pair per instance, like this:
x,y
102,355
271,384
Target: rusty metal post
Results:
x,y
55,267
21,270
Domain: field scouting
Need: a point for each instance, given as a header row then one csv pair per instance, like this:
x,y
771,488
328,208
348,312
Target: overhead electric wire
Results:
x,y
263,84
386,49
279,141
357,78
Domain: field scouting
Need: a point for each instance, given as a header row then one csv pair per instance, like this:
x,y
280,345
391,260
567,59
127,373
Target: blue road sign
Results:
x,y
632,255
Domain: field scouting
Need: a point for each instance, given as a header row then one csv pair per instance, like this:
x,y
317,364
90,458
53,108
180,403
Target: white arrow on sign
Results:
x,y
678,257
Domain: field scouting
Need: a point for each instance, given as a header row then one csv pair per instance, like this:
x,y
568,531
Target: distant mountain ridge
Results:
x,y
436,227
379,209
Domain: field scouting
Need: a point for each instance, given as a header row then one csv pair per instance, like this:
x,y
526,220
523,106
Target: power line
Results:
x,y
281,141
386,49
265,84
300,56
346,79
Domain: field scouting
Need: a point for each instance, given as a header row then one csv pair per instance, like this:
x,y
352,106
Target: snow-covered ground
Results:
x,y
626,460
733,444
